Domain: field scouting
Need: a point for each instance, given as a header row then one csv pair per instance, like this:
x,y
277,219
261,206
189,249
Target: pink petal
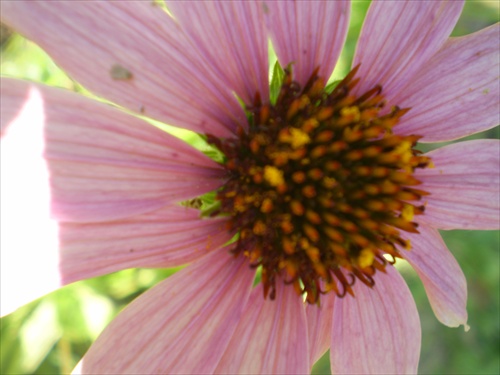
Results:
x,y
106,165
98,42
319,324
182,325
231,38
29,239
443,279
168,237
457,93
377,331
398,38
271,337
308,34
464,186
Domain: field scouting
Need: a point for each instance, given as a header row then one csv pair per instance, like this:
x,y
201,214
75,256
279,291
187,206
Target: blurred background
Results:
x,y
50,335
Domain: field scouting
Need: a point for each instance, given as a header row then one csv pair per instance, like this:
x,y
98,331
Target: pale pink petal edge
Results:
x,y
182,325
441,275
457,93
398,38
381,323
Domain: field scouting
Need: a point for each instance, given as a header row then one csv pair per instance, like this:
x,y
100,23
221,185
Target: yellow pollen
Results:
x,y
366,258
408,212
273,176
298,138
404,149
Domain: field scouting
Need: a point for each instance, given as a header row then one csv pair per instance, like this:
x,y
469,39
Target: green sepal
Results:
x,y
276,82
331,86
209,209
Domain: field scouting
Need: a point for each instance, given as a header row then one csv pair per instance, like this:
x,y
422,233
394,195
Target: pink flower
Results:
x,y
116,181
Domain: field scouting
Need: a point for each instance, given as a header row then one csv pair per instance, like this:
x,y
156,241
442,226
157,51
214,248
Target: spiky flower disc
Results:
x,y
320,188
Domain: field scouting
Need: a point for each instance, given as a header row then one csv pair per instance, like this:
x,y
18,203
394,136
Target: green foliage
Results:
x,y
50,335
23,59
276,81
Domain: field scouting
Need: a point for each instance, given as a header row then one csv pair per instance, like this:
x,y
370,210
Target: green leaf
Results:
x,y
276,81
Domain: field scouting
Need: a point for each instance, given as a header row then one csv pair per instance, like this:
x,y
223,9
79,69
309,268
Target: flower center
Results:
x,y
320,188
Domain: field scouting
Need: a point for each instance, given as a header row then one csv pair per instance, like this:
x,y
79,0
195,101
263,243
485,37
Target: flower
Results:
x,y
116,181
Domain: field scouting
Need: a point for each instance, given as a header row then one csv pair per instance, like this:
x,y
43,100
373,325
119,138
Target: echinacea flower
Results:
x,y
319,187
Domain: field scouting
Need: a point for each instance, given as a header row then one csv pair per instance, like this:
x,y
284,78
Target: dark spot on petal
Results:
x,y
119,73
